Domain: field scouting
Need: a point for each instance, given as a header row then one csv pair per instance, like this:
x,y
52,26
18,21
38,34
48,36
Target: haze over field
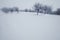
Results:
x,y
22,4
29,26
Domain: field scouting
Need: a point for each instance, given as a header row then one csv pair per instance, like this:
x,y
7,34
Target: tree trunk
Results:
x,y
37,13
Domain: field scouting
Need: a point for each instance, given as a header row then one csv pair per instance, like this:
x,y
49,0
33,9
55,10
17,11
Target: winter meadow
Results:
x,y
29,19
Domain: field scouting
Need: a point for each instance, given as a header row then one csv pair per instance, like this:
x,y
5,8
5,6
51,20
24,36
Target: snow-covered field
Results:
x,y
29,26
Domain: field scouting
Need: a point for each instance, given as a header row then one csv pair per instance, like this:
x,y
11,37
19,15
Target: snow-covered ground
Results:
x,y
29,26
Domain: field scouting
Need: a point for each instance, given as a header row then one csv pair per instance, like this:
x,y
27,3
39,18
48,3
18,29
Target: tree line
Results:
x,y
37,7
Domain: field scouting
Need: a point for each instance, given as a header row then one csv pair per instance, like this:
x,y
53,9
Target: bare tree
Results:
x,y
5,10
47,9
58,11
14,9
37,7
